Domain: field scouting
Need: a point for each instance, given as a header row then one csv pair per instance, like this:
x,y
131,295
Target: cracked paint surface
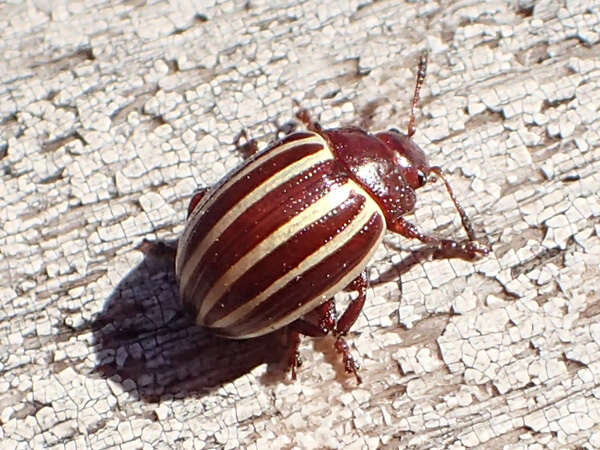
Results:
x,y
112,114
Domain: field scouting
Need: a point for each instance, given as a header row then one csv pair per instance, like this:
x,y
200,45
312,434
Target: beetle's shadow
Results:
x,y
144,335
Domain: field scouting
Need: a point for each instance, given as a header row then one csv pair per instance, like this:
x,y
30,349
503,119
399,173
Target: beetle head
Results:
x,y
409,158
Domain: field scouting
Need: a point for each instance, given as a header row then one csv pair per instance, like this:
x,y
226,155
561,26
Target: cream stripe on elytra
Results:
x,y
238,209
369,208
333,199
329,293
261,158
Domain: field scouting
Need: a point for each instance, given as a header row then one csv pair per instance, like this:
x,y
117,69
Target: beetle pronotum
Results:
x,y
271,244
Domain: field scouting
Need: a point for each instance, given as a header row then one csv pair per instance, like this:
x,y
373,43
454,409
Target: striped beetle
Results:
x,y
271,244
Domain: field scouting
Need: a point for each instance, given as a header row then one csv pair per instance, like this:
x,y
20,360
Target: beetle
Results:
x,y
274,240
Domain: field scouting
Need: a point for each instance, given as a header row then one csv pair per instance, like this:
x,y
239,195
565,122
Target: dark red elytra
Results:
x,y
271,244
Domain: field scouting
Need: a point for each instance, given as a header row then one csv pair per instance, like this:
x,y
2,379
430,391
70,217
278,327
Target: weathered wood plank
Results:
x,y
111,115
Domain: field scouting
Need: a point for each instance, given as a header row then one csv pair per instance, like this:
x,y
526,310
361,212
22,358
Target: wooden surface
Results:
x,y
112,113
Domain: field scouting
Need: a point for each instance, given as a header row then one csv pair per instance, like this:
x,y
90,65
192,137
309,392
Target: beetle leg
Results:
x,y
297,328
443,248
304,116
318,322
284,129
249,148
294,360
350,364
196,197
308,328
327,322
327,316
360,284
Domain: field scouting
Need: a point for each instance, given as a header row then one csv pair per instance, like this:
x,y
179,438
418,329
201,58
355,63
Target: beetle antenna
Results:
x,y
466,223
422,70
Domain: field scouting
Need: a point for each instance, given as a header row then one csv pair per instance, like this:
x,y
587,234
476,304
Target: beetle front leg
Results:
x,y
468,250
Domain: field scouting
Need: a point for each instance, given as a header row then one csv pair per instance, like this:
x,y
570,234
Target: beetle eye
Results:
x,y
395,130
416,178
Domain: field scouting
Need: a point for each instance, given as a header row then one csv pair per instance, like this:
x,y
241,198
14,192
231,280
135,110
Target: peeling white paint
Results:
x,y
112,115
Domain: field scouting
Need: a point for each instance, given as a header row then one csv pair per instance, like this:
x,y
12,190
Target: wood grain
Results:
x,y
111,114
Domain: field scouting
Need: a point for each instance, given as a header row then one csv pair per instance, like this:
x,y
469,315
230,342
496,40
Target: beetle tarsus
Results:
x,y
350,364
467,250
